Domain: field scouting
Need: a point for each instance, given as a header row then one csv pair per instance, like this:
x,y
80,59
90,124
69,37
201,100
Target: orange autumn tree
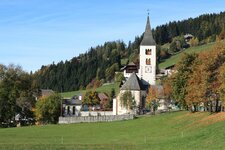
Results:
x,y
203,86
196,86
151,99
167,88
199,79
222,85
213,63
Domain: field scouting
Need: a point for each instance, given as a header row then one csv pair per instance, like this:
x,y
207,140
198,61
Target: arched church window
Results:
x,y
73,110
68,110
148,51
148,61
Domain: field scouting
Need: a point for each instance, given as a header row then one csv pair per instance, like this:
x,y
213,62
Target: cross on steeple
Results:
x,y
148,11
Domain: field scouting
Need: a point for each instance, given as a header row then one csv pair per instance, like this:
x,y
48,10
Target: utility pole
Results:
x,y
61,103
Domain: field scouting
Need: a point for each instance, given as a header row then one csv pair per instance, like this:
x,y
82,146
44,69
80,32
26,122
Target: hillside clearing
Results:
x,y
175,58
179,130
105,88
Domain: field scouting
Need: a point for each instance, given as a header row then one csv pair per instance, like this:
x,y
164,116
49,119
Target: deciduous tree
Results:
x,y
91,99
152,98
127,100
47,109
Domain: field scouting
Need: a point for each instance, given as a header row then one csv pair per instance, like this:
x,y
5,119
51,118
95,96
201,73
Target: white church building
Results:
x,y
139,77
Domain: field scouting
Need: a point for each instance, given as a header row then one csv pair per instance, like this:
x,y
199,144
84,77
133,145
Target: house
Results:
x,y
170,70
104,99
46,92
129,69
138,91
188,37
43,93
71,107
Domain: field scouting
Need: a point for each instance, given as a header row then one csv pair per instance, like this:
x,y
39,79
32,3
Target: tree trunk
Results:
x,y
153,110
210,107
217,107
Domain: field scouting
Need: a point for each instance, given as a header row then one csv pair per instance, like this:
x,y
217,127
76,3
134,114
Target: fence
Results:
x,y
109,118
96,113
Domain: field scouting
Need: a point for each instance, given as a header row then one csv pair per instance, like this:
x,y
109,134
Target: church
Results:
x,y
138,77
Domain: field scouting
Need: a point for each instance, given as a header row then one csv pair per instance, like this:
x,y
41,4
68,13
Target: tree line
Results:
x,y
16,94
21,101
204,27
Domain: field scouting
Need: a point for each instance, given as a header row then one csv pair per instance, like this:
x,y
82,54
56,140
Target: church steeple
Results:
x,y
148,38
147,61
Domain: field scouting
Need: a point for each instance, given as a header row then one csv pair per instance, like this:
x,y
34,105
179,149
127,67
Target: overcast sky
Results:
x,y
38,32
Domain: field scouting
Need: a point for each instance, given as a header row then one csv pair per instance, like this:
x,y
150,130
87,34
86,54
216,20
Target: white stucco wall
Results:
x,y
163,104
150,76
122,110
114,107
77,110
127,75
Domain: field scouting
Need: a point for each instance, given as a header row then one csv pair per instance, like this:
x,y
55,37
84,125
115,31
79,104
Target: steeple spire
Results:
x,y
148,38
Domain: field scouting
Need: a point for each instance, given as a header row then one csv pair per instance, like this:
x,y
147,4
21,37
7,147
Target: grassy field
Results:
x,y
124,61
179,130
105,88
175,58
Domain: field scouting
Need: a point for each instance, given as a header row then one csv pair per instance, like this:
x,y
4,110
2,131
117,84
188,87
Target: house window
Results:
x,y
148,51
68,110
73,110
148,61
63,111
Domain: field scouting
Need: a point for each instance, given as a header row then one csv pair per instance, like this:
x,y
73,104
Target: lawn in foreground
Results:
x,y
180,130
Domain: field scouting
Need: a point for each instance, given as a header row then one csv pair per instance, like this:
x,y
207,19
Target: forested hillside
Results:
x,y
202,27
99,64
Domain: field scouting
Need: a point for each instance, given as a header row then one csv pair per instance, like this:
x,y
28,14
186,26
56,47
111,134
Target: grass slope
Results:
x,y
105,88
180,130
175,58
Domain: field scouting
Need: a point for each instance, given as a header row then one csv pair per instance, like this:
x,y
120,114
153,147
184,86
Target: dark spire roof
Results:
x,y
133,83
148,38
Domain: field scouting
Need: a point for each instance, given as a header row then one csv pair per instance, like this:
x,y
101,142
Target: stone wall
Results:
x,y
68,120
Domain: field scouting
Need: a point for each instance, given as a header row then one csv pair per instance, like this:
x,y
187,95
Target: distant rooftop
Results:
x,y
46,92
72,102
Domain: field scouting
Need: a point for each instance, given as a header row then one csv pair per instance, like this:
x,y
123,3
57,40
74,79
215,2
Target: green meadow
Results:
x,y
177,130
175,58
105,88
